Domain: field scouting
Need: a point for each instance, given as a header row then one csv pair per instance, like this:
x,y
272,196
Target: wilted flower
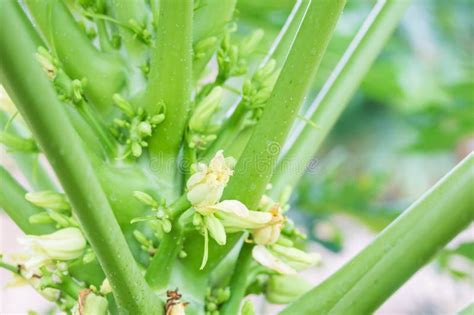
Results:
x,y
64,244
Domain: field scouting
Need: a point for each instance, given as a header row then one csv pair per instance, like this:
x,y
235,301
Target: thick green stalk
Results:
x,y
161,266
231,130
365,282
338,90
105,72
35,97
170,85
12,200
260,154
239,281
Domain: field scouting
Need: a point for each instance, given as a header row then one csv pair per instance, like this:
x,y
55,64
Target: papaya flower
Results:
x,y
65,244
284,259
270,233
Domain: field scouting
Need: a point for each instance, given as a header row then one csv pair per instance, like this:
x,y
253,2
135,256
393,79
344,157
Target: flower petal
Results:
x,y
232,206
216,229
264,257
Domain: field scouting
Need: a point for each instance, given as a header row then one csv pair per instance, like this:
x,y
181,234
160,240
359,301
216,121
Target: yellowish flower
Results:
x,y
270,233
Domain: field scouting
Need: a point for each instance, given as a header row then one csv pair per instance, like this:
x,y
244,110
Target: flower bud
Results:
x,y
204,46
144,129
264,257
48,199
156,119
65,244
123,105
105,287
40,218
250,43
205,110
298,259
145,198
216,229
284,289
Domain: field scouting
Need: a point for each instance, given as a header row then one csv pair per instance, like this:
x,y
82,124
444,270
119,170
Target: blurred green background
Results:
x,y
409,123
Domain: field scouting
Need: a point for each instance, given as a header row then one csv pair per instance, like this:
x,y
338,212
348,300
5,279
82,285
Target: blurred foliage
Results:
x,y
459,262
416,101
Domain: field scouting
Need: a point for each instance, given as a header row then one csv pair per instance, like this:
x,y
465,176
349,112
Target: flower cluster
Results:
x,y
201,131
215,217
137,126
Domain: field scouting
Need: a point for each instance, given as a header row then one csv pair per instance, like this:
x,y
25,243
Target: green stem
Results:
x,y
159,271
337,91
260,154
366,281
35,97
161,266
239,281
12,200
105,72
170,85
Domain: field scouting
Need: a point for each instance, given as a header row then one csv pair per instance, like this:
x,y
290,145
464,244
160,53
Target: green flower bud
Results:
x,y
249,44
40,218
16,143
144,129
123,105
48,199
204,46
205,110
166,225
156,119
216,229
145,198
284,289
136,149
141,238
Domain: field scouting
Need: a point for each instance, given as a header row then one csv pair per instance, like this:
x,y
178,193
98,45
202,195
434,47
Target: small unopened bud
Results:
x,y
136,149
204,46
250,43
48,199
205,110
40,218
216,229
145,198
16,143
284,289
105,287
124,105
156,119
144,129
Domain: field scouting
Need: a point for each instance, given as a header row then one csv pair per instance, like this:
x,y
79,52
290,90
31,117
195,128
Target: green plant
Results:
x,y
159,191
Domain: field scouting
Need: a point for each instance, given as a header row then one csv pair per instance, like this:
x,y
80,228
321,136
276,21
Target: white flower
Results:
x,y
64,244
264,257
270,233
206,185
283,259
105,287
